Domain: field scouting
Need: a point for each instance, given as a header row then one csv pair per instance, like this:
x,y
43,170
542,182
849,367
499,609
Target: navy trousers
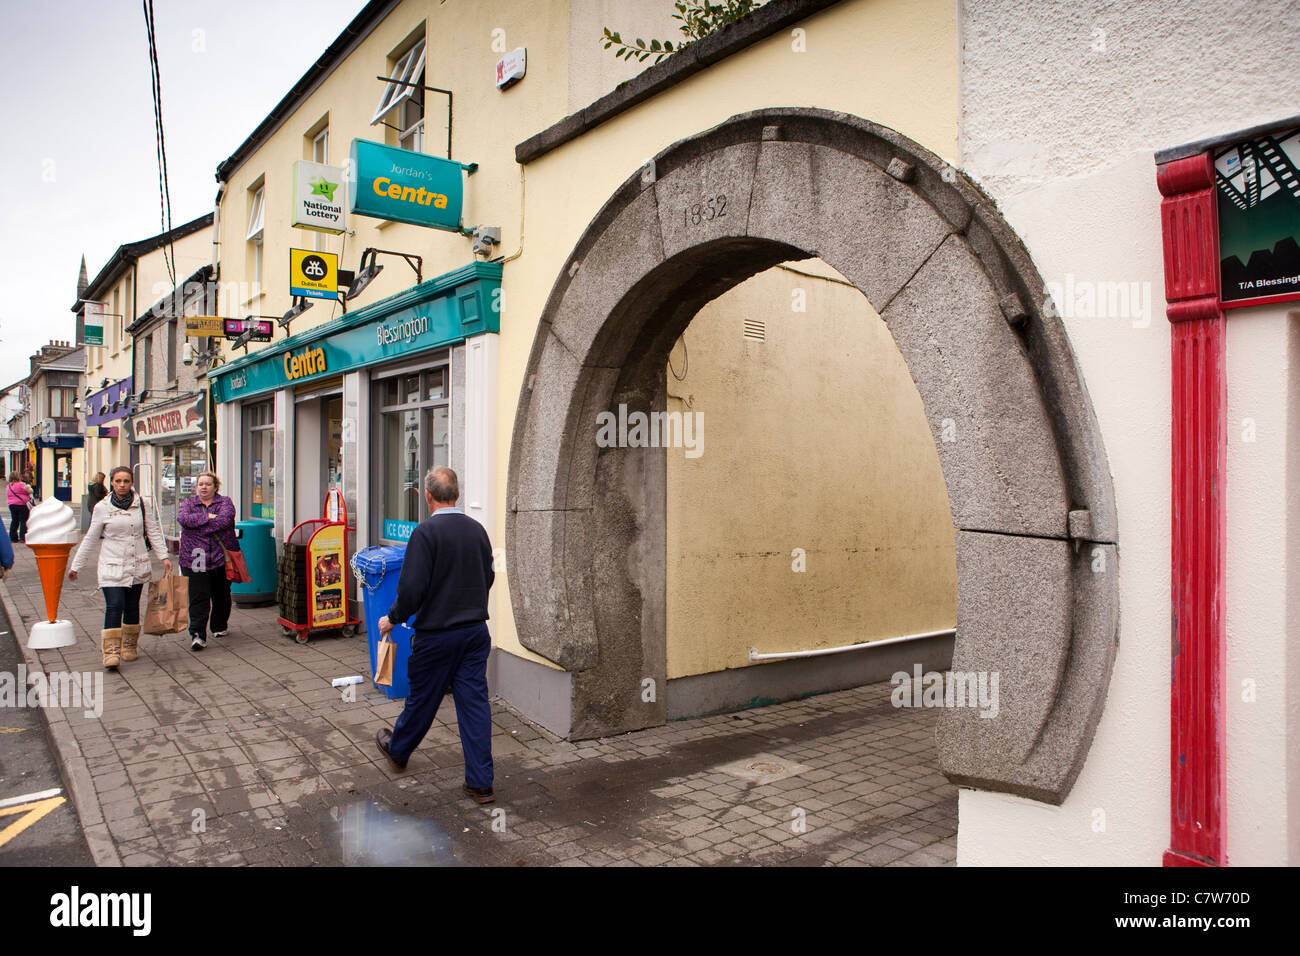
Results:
x,y
457,659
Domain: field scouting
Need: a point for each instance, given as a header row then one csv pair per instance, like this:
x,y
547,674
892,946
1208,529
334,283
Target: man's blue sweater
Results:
x,y
446,574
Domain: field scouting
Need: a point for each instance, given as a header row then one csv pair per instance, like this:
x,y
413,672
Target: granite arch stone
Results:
x,y
1023,459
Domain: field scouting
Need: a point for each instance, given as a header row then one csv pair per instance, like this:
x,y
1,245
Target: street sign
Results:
x,y
313,275
204,326
233,328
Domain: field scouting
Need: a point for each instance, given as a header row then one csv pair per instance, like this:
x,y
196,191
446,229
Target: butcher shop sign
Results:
x,y
163,426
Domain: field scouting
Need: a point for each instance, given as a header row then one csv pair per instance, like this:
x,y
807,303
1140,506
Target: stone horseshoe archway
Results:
x,y
1030,491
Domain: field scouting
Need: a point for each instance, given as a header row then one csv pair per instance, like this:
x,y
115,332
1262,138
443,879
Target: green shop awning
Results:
x,y
439,312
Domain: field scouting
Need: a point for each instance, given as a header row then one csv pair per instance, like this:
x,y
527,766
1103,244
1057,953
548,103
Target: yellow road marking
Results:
x,y
12,730
33,813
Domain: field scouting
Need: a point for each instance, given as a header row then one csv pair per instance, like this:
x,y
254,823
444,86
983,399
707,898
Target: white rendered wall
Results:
x,y
1063,108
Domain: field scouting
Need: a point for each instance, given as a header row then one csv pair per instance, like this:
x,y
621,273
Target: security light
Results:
x,y
300,305
365,275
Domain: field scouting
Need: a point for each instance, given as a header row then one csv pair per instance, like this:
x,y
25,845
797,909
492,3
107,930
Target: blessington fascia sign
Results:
x,y
438,312
402,186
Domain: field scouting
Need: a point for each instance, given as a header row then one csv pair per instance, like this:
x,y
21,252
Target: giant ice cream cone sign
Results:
x,y
51,533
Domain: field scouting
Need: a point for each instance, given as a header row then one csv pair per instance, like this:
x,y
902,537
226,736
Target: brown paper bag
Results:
x,y
384,654
168,606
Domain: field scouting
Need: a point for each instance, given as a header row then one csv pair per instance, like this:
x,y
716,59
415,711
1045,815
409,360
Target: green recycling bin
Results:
x,y
259,554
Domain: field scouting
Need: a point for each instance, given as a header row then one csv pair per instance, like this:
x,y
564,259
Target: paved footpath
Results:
x,y
244,754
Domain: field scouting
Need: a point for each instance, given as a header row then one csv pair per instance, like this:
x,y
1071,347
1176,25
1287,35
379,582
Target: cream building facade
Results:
x,y
123,292
859,289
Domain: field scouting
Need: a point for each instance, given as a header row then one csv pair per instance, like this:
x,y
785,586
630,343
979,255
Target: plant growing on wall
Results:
x,y
698,21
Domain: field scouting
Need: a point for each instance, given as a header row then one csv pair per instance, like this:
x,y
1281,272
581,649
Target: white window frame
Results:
x,y
257,216
398,89
320,147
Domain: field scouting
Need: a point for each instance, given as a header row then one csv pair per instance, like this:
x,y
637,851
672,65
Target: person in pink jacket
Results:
x,y
20,503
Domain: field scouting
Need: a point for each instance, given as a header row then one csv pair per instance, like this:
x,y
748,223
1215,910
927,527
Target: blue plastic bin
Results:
x,y
377,570
259,554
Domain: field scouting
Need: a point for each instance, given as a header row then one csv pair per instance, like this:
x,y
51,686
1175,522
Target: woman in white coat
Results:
x,y
127,534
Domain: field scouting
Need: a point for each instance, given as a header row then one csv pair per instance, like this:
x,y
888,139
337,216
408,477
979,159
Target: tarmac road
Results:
x,y
31,834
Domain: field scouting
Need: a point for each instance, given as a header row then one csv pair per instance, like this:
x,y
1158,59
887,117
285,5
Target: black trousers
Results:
x,y
208,590
18,522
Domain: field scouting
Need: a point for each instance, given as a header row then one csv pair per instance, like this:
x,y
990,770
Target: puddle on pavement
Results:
x,y
366,833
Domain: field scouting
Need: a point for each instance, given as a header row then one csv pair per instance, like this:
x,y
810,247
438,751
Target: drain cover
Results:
x,y
762,768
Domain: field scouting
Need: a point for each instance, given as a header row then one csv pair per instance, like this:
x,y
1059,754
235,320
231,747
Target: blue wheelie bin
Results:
x,y
259,554
377,570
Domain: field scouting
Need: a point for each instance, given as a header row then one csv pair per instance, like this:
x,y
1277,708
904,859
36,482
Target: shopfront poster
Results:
x,y
257,481
1258,187
328,587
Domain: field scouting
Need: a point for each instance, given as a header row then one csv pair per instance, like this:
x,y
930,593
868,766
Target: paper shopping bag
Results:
x,y
385,652
167,610
180,588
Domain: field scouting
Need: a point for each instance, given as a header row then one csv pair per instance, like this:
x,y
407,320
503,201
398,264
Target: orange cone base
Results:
x,y
51,562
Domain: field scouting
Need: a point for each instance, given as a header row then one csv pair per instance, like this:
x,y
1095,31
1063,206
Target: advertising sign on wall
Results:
x,y
318,193
94,323
163,426
314,275
204,326
402,186
328,588
1259,219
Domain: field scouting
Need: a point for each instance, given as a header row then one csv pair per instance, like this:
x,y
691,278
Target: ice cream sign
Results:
x,y
403,186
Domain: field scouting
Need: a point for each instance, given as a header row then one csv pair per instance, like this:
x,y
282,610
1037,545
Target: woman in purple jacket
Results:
x,y
209,522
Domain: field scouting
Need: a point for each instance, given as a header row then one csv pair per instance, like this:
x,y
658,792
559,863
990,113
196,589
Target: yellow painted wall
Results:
x,y
487,124
814,439
542,209
894,63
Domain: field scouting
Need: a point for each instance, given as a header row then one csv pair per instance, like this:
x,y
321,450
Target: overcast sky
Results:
x,y
78,173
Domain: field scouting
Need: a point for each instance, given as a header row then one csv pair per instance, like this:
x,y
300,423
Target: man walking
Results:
x,y
444,582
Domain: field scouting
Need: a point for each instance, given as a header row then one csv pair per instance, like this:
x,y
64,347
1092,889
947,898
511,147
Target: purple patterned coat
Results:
x,y
206,535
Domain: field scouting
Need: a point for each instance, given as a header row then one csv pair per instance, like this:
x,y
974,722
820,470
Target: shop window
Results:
x,y
179,466
414,432
259,461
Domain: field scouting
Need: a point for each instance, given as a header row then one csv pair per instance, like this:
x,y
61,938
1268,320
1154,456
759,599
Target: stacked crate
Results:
x,y
292,588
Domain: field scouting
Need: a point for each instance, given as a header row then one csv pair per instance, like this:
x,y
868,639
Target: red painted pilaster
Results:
x,y
1197,757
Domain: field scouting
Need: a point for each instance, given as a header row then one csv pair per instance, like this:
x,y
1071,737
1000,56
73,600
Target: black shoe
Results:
x,y
197,641
382,739
479,794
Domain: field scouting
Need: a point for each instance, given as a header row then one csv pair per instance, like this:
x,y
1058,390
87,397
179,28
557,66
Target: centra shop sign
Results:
x,y
402,186
307,362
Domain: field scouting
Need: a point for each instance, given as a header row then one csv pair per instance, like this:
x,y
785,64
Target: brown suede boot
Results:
x,y
111,641
130,641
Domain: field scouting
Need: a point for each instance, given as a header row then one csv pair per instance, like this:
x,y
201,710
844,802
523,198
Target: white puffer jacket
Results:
x,y
123,556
